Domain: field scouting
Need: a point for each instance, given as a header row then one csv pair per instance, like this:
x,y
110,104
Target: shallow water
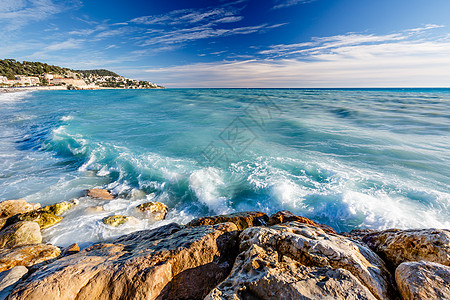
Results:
x,y
347,158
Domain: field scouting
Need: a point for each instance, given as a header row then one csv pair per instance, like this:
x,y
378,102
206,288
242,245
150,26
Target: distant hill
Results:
x,y
99,72
11,67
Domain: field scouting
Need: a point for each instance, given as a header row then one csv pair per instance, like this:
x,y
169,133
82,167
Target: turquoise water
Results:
x,y
346,158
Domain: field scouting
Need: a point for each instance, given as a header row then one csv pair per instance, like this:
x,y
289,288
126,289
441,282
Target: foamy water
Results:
x,y
347,158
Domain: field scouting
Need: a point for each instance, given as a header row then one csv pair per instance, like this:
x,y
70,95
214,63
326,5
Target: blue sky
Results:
x,y
241,43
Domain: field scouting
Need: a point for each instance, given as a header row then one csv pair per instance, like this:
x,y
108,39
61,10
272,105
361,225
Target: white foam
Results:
x,y
206,184
14,97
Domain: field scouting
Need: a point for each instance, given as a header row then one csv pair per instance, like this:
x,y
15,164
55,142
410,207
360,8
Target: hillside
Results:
x,y
14,73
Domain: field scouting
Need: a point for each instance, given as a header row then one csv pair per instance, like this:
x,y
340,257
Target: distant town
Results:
x,y
36,74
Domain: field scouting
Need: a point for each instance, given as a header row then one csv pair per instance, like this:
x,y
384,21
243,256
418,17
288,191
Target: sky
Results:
x,y
240,43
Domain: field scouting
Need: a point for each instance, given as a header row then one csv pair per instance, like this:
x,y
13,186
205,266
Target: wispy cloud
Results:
x,y
15,14
406,58
287,3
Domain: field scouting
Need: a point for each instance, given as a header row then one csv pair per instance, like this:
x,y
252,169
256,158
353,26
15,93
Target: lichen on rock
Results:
x,y
154,210
20,233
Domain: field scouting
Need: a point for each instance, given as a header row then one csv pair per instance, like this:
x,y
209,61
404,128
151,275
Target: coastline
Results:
x,y
61,88
246,255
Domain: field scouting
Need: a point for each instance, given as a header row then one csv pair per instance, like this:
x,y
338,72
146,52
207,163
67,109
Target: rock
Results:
x,y
69,250
423,280
397,246
61,207
155,210
299,261
242,220
170,262
116,220
9,279
20,233
357,234
94,209
10,208
286,216
44,218
100,194
27,255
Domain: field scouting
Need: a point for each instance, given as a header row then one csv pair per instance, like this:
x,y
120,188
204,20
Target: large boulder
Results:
x,y
10,208
27,255
44,218
101,194
397,246
423,280
9,279
298,261
61,207
286,216
242,220
20,233
170,262
154,210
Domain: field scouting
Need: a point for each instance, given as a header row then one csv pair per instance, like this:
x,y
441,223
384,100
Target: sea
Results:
x,y
348,158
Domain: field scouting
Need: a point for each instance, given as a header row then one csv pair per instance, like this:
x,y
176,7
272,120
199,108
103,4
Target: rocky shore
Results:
x,y
247,255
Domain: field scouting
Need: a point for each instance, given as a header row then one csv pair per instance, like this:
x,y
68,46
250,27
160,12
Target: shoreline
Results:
x,y
62,88
246,255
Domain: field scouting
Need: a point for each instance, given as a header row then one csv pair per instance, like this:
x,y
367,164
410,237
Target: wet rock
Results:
x,y
299,261
397,246
154,210
116,220
242,220
94,209
69,250
286,216
27,255
423,280
20,233
61,207
170,262
44,218
100,194
10,208
9,279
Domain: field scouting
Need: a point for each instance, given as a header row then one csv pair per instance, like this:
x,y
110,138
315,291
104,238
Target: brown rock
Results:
x,y
299,261
397,246
423,280
100,194
286,216
154,210
20,233
357,234
44,218
69,250
10,208
242,220
169,262
27,255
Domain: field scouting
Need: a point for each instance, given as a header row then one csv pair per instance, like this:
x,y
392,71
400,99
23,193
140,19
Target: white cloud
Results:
x,y
287,3
69,44
404,59
15,14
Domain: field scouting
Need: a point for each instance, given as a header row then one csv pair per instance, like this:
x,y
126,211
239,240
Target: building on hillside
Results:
x,y
3,80
47,76
22,80
68,81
